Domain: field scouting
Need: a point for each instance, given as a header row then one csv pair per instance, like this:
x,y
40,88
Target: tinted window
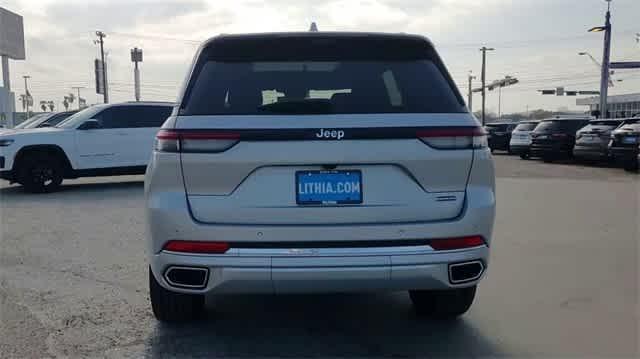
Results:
x,y
312,87
635,126
150,116
133,116
601,125
560,125
497,127
526,126
604,123
56,119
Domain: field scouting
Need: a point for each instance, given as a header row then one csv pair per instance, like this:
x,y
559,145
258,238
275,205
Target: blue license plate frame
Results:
x,y
322,188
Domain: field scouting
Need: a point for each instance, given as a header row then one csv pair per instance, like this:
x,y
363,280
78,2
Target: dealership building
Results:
x,y
618,105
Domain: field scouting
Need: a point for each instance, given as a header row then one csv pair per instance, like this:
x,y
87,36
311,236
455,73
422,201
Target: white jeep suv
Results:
x,y
102,140
319,162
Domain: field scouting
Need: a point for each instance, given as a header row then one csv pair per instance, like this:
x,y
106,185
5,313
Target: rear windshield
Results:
x,y
561,125
266,88
631,127
318,75
529,126
601,125
497,127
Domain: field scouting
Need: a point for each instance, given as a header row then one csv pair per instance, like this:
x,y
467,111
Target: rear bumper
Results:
x,y
286,273
624,153
256,270
519,149
542,150
590,152
498,143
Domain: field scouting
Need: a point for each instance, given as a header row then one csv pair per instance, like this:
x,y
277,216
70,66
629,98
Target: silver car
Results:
x,y
319,162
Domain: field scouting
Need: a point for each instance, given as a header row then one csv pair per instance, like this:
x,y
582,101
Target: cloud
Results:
x,y
118,14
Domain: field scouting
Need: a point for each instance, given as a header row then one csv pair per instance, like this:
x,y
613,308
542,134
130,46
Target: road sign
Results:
x,y
625,65
11,35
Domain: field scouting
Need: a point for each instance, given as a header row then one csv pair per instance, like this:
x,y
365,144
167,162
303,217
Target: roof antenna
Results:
x,y
314,27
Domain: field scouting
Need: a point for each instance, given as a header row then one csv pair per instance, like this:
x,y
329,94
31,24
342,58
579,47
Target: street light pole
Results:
x,y
499,103
101,35
470,102
604,76
484,50
604,80
78,88
26,95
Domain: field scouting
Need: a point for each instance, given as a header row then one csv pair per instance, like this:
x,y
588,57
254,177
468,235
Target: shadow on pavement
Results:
x,y
79,188
338,325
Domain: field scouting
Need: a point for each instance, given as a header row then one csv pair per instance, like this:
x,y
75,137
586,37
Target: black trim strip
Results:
x,y
332,244
326,134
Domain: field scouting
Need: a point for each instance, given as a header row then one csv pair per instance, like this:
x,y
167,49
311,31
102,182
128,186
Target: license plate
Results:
x,y
328,187
629,139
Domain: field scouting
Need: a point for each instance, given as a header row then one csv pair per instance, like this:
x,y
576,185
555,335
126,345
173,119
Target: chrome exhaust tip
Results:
x,y
187,277
465,271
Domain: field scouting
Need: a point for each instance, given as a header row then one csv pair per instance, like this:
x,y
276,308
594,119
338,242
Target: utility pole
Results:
x,y
484,50
101,35
27,95
78,88
470,102
604,80
499,103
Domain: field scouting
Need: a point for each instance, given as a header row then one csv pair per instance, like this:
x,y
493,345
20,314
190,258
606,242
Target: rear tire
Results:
x,y
442,304
40,172
171,306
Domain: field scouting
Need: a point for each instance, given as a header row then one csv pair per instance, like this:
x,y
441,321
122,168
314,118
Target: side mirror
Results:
x,y
91,124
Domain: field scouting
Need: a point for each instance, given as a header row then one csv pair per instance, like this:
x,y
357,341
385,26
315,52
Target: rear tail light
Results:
x,y
195,141
456,243
196,247
454,138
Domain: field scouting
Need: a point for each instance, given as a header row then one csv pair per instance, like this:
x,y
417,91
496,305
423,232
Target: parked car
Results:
x,y
592,140
26,122
103,140
554,138
521,138
44,120
336,162
499,135
624,144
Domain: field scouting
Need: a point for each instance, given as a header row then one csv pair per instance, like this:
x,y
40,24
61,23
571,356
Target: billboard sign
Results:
x,y
11,35
625,65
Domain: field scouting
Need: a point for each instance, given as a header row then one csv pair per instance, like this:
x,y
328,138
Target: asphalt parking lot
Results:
x,y
563,281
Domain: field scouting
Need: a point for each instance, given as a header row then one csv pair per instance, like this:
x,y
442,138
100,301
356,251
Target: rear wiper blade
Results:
x,y
308,106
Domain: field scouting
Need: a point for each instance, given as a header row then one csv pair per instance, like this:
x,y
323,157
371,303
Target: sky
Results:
x,y
536,41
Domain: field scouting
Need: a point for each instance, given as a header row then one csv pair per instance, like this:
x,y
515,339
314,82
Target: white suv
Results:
x,y
102,140
319,162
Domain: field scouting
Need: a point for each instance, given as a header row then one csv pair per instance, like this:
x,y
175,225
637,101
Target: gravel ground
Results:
x,y
563,281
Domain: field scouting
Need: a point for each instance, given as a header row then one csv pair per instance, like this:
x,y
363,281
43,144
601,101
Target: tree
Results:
x,y
43,106
51,105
